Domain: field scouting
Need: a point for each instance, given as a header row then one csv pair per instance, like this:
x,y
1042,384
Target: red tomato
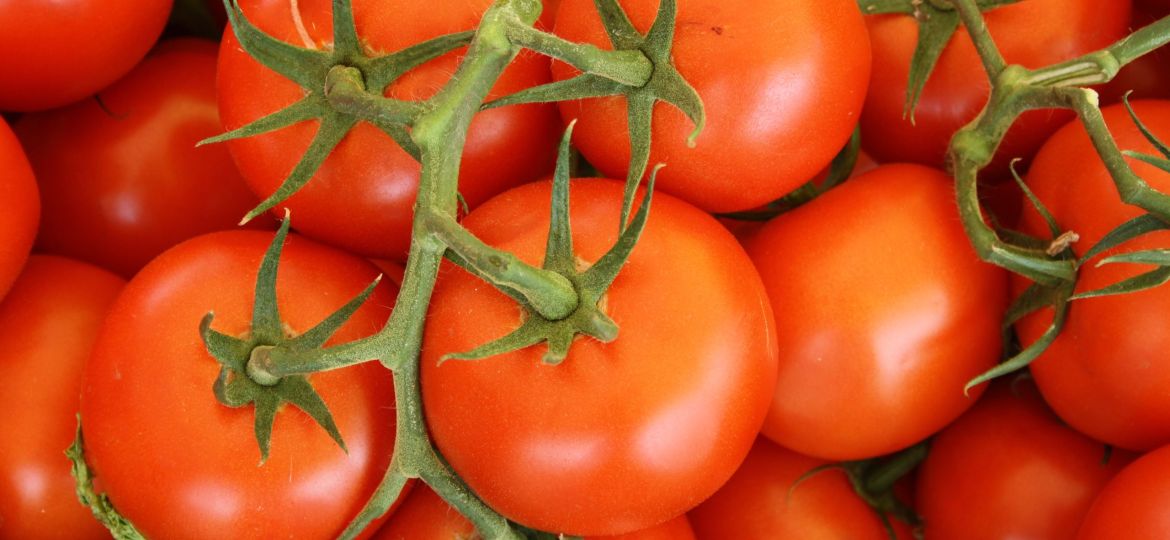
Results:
x,y
178,464
1133,504
669,408
362,198
53,53
549,15
46,333
122,183
425,516
781,75
1148,77
1107,372
1033,33
885,311
22,208
767,499
1009,468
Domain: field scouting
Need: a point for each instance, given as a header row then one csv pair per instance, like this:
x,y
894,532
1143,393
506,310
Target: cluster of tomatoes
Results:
x,y
751,357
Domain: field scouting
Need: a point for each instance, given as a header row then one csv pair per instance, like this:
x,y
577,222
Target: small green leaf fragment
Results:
x,y
558,254
934,32
583,86
599,276
266,326
1149,135
317,336
1125,232
305,109
1140,282
103,510
297,390
530,332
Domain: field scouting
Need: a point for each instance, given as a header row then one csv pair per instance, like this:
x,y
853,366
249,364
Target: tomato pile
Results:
x,y
604,269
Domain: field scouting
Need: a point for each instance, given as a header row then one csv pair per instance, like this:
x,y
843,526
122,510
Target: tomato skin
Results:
x,y
886,312
780,75
1133,504
122,184
767,499
177,463
48,324
1009,468
670,407
54,53
1107,372
363,196
22,207
1033,33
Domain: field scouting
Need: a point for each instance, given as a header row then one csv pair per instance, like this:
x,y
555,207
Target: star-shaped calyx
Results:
x,y
665,84
316,71
589,317
239,384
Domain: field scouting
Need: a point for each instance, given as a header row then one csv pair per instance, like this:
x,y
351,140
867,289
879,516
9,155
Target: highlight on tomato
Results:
x,y
173,459
121,179
48,324
669,407
884,312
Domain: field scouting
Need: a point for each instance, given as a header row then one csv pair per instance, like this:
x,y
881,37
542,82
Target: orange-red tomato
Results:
x,y
122,180
362,198
22,208
48,324
884,313
1133,504
782,84
638,430
176,462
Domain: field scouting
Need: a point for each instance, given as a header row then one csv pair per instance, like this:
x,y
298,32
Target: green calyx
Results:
x,y
342,85
98,503
664,83
588,317
245,376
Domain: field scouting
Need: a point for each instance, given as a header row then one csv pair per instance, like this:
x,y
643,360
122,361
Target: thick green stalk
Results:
x,y
631,68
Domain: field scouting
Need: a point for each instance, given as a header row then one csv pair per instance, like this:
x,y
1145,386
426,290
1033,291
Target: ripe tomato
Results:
x,y
1032,33
886,313
1133,504
1107,372
362,198
22,207
670,407
53,53
767,498
424,516
781,75
1009,468
176,462
46,333
122,183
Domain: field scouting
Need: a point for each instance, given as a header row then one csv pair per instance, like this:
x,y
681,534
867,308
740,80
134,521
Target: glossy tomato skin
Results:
x,y
48,324
1009,468
425,516
363,196
767,499
54,53
670,407
178,464
1133,504
885,313
122,179
775,78
1033,33
1107,372
22,207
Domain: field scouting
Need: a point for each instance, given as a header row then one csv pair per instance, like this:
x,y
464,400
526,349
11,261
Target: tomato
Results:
x,y
122,179
781,75
1033,33
1148,76
176,462
22,208
549,15
1107,372
46,333
425,516
669,408
885,311
1009,468
53,53
1133,504
773,495
362,198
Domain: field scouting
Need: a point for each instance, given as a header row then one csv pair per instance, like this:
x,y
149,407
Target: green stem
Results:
x,y
989,54
346,91
630,68
549,293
